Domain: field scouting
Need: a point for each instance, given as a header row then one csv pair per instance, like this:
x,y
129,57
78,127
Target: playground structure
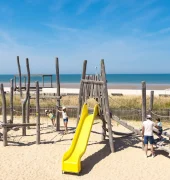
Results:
x,y
91,86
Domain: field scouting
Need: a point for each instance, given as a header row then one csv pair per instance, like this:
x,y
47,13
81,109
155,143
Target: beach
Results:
x,y
133,86
23,160
117,89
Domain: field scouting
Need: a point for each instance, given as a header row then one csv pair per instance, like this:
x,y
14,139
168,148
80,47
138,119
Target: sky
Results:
x,y
132,36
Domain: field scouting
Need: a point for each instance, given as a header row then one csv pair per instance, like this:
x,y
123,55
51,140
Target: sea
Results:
x,y
111,78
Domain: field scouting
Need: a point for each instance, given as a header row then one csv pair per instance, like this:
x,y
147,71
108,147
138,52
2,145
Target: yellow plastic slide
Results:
x,y
72,158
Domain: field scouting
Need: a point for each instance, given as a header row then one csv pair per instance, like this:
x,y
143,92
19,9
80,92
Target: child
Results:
x,y
51,116
159,127
65,118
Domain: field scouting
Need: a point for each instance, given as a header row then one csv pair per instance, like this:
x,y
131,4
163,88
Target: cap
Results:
x,y
64,107
46,111
149,116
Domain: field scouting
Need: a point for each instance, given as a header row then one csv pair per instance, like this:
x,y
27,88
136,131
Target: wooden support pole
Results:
x,y
143,101
28,112
25,81
43,80
5,143
107,106
11,100
151,101
37,114
26,98
15,83
58,94
81,90
20,80
51,82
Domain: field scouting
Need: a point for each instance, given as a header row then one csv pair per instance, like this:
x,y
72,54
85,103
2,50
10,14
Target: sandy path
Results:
x,y
43,162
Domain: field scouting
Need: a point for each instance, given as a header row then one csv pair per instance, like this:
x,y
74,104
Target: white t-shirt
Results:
x,y
148,125
64,115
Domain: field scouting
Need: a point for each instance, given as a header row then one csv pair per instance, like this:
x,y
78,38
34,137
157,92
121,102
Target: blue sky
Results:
x,y
133,36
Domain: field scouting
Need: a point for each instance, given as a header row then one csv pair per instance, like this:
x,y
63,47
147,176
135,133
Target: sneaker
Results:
x,y
146,156
153,155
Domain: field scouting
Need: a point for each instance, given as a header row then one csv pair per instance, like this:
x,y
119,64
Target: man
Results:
x,y
147,134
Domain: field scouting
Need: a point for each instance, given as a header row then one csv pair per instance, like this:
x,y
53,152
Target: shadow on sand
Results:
x,y
121,143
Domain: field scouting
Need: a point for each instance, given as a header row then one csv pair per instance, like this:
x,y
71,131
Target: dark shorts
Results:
x,y
65,120
148,139
160,132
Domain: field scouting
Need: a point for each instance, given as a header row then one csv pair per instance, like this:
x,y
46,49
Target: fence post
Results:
x,y
4,116
11,100
151,101
37,114
143,101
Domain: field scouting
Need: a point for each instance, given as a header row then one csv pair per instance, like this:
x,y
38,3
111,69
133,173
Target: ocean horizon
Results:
x,y
111,78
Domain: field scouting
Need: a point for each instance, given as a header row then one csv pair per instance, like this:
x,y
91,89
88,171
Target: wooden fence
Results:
x,y
129,114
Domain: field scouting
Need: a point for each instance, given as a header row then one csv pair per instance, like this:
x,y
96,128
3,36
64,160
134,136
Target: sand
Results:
x,y
23,160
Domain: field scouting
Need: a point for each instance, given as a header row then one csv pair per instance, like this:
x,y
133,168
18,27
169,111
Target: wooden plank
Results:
x,y
58,94
131,128
5,143
18,125
37,114
164,133
143,101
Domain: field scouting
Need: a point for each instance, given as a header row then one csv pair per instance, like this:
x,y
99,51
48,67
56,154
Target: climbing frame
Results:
x,y
95,86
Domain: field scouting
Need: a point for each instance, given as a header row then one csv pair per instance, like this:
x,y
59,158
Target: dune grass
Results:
x,y
123,102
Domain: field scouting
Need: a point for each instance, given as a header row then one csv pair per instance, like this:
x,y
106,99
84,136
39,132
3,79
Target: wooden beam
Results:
x,y
24,101
20,80
37,114
81,89
5,143
11,100
18,125
112,148
151,101
143,101
58,94
131,128
92,82
28,112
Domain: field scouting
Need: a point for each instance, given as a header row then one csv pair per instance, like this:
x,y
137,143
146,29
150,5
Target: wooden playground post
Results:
x,y
15,83
105,93
25,81
4,115
151,101
58,94
24,101
143,101
20,82
81,90
37,114
11,100
28,112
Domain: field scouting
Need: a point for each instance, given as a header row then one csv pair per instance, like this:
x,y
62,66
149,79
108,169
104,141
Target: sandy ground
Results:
x,y
24,160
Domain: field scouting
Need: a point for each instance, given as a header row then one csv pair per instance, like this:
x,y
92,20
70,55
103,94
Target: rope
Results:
x,y
160,115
